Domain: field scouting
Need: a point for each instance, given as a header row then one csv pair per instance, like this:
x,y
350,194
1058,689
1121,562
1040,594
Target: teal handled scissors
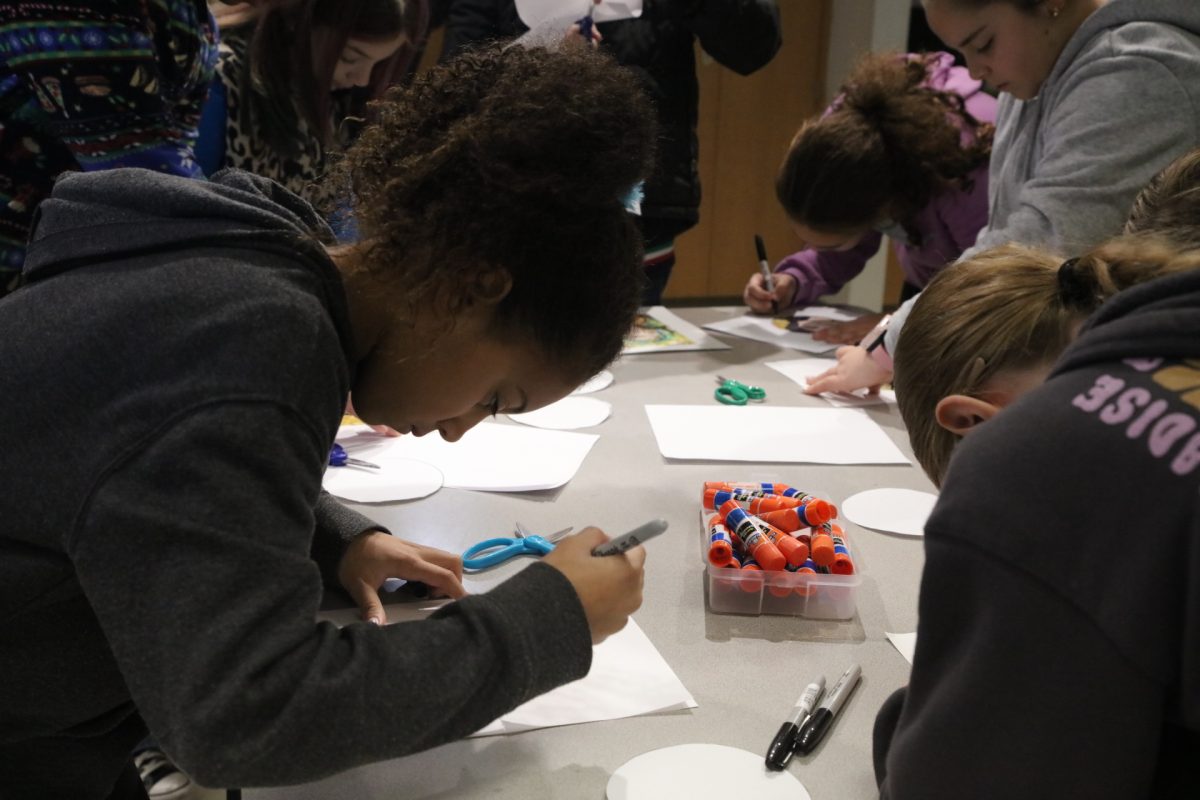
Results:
x,y
736,393
491,552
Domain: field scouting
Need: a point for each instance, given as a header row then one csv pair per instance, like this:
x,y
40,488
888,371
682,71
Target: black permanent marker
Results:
x,y
780,751
632,539
820,720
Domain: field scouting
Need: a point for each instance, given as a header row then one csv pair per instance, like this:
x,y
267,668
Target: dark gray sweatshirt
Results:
x,y
1058,652
173,377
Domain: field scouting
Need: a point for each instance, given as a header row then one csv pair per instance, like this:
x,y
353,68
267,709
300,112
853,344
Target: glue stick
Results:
x,y
720,543
821,546
795,552
756,543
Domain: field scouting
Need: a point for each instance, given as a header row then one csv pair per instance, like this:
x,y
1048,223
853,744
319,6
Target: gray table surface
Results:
x,y
624,481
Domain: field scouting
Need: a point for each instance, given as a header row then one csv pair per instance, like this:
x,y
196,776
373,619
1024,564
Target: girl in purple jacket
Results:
x,y
902,152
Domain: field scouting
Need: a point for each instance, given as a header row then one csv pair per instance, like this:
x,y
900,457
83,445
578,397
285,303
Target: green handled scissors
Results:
x,y
736,393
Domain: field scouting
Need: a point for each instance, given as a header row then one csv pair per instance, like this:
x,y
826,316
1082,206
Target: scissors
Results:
x,y
491,552
338,457
736,393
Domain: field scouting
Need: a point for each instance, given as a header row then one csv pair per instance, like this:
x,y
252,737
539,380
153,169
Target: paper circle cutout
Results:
x,y
567,414
701,772
397,479
901,511
601,380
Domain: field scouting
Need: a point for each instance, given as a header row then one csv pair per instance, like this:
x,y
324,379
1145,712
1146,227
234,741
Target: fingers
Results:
x,y
437,578
825,382
367,599
636,556
756,296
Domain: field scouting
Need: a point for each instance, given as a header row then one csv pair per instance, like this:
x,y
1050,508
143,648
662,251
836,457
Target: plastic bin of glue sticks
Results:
x,y
771,549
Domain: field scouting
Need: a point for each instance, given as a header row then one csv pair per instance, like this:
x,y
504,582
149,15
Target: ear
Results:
x,y
959,413
489,286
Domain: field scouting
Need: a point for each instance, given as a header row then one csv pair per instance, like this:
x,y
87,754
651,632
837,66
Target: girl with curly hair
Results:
x,y
192,345
903,151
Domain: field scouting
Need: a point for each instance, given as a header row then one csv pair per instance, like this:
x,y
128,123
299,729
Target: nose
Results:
x,y
359,76
975,69
453,429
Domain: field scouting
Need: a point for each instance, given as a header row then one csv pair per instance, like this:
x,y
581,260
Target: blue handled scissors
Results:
x,y
491,552
338,457
736,393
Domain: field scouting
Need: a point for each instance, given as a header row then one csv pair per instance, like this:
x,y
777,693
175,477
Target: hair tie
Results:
x,y
1072,291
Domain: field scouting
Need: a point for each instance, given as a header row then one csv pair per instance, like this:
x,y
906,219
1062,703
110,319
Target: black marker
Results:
x,y
780,751
821,719
632,539
764,266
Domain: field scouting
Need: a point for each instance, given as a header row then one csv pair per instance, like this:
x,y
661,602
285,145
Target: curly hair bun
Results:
x,y
569,128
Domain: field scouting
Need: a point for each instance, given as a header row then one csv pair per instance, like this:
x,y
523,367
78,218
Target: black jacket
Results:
x,y
660,45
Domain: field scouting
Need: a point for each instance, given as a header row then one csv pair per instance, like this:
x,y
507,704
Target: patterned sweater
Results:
x,y
95,85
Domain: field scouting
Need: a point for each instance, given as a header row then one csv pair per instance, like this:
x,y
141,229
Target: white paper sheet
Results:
x,y
489,457
601,380
629,677
764,329
396,479
657,330
902,511
701,772
535,12
801,369
906,643
771,433
567,414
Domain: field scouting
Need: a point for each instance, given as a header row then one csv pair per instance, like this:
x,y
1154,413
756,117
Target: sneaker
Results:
x,y
162,779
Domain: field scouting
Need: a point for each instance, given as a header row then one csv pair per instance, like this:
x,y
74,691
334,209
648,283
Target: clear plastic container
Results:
x,y
819,596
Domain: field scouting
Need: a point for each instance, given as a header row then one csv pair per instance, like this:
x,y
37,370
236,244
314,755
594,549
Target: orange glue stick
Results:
x,y
757,544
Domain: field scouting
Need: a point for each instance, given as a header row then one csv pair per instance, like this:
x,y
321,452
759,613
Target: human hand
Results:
x,y
855,370
375,556
848,332
609,587
763,302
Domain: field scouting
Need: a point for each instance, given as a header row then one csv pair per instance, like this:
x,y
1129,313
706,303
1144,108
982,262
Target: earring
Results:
x,y
1054,12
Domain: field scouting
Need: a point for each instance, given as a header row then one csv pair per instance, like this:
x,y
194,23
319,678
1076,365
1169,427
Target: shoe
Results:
x,y
162,779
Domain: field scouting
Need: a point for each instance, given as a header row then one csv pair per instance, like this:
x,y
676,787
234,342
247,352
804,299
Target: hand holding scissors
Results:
x,y
491,552
736,393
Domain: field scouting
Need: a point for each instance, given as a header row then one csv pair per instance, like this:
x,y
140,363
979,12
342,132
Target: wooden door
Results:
x,y
746,123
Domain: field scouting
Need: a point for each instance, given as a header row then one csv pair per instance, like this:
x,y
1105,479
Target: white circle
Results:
x,y
601,380
902,511
701,772
567,414
396,479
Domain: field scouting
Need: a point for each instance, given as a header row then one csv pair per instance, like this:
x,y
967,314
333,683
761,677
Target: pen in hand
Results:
x,y
784,743
765,268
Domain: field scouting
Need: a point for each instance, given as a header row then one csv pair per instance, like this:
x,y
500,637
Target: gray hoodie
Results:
x,y
174,374
1122,102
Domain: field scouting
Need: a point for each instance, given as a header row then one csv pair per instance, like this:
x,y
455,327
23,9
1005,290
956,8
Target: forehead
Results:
x,y
954,22
374,48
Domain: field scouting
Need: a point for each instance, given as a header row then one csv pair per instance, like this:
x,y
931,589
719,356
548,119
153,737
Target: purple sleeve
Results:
x,y
823,272
965,214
